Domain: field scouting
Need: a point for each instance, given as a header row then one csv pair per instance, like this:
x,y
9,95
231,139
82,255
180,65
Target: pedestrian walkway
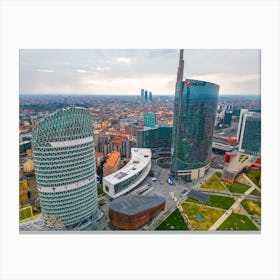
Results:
x,y
229,211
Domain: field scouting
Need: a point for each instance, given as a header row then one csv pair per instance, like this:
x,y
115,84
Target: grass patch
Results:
x,y
213,183
252,207
242,158
218,174
254,176
99,190
237,222
174,221
223,202
237,187
209,215
218,201
190,199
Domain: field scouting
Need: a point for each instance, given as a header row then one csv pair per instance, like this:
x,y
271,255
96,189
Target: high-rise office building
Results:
x,y
146,96
249,132
150,96
193,125
158,137
142,94
150,119
63,151
228,117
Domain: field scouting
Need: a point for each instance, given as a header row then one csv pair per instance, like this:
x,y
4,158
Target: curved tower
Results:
x,y
63,151
193,126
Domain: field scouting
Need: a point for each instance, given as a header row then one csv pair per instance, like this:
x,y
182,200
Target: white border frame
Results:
x,y
155,24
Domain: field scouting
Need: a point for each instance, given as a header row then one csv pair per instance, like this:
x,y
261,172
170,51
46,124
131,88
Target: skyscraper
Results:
x,y
193,125
150,119
249,132
228,117
146,95
64,159
142,94
150,96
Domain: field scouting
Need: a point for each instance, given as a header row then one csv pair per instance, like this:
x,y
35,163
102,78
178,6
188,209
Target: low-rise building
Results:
x,y
131,175
133,211
112,163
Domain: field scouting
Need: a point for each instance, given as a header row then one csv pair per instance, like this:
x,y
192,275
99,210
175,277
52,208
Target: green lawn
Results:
x,y
213,183
223,202
237,222
209,215
218,174
254,177
174,221
242,158
253,207
190,199
99,190
237,187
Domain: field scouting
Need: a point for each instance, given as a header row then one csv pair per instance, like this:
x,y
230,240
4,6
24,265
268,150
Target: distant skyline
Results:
x,y
124,72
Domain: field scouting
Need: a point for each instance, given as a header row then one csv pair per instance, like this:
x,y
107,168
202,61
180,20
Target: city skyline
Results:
x,y
125,72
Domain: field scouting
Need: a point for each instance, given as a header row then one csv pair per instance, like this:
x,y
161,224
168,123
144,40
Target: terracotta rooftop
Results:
x,y
112,159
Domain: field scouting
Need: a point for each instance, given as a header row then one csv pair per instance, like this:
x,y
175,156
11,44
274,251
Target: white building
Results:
x,y
132,174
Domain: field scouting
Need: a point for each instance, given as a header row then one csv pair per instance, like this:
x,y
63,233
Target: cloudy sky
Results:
x,y
127,71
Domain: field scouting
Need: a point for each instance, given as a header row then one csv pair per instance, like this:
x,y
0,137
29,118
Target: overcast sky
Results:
x,y
127,71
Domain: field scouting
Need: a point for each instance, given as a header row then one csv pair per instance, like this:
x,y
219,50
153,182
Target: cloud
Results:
x,y
45,70
106,71
124,60
106,68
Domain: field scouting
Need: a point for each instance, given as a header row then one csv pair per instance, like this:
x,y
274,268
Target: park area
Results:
x,y
200,216
174,221
254,176
253,207
213,183
237,187
218,201
237,222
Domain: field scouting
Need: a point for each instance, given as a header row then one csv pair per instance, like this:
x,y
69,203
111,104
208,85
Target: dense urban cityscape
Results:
x,y
184,162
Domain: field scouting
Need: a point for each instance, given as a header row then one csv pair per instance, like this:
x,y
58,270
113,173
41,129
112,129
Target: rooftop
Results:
x,y
133,204
139,160
220,146
112,159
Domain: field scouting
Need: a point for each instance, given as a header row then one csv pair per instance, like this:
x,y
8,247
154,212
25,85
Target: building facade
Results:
x,y
250,133
193,126
130,212
64,159
149,119
158,137
131,175
228,117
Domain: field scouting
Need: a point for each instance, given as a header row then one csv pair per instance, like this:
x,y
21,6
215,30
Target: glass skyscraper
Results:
x,y
64,160
250,132
193,125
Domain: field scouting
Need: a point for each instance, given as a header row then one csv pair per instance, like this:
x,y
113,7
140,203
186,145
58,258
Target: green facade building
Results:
x,y
64,159
158,137
149,119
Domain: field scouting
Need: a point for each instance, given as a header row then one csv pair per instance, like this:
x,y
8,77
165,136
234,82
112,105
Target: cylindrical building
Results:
x,y
63,152
193,126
